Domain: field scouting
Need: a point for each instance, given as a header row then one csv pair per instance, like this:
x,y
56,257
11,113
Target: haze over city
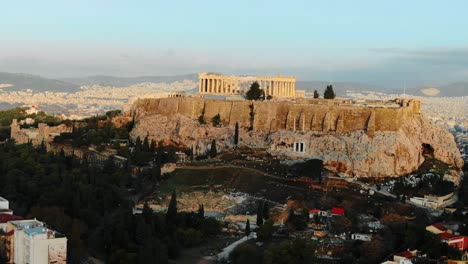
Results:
x,y
382,43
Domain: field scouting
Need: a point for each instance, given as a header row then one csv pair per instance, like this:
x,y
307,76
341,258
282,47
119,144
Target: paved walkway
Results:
x,y
227,250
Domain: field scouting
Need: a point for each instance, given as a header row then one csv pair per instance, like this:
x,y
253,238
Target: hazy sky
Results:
x,y
381,42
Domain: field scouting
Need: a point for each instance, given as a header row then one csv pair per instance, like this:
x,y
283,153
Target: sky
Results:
x,y
419,42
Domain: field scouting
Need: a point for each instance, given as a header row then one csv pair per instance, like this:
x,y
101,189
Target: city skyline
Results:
x,y
381,43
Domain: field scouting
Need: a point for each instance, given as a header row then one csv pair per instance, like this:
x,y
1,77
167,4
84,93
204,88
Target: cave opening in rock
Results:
x,y
427,149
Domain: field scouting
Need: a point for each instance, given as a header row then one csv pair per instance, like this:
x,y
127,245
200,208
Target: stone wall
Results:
x,y
270,116
36,135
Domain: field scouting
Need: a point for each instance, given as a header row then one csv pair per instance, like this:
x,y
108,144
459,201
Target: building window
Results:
x,y
299,147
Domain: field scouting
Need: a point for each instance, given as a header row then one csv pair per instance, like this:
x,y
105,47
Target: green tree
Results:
x,y
329,93
201,211
146,146
247,228
147,213
236,134
316,94
265,231
152,147
216,120
244,254
171,215
297,251
266,211
138,144
201,118
213,150
254,93
252,116
260,214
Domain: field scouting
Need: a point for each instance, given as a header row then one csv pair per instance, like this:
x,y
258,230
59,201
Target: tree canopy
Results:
x,y
255,93
329,93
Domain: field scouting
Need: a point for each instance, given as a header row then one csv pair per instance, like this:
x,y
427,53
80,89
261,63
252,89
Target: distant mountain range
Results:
x,y
22,81
128,81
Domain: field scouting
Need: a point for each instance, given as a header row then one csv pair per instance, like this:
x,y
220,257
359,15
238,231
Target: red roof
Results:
x,y
8,217
446,236
440,227
314,211
337,211
406,254
455,242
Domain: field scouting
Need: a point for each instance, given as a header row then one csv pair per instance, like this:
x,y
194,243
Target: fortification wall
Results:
x,y
36,135
271,116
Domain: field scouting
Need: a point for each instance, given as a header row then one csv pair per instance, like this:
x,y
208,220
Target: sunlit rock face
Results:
x,y
353,140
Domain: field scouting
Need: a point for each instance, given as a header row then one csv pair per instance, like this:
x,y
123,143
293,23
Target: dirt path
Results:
x,y
230,166
245,168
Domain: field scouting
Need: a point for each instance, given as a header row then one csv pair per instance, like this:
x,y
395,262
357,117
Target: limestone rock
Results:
x,y
381,153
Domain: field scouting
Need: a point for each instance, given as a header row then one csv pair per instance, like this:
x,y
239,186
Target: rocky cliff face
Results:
x,y
358,152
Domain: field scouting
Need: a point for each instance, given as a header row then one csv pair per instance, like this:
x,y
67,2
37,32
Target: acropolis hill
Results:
x,y
365,138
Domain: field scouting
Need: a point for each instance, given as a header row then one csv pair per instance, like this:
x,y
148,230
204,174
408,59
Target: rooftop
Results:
x,y
26,224
440,227
36,231
8,217
407,254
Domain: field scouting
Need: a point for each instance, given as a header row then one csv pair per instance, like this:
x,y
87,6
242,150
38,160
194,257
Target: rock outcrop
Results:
x,y
351,140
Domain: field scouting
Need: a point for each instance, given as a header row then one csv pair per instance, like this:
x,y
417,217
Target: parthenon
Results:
x,y
275,86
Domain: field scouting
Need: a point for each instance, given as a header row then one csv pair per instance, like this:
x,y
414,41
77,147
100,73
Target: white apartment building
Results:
x,y
34,243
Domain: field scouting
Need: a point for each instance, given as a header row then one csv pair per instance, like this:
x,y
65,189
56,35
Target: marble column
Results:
x,y
271,88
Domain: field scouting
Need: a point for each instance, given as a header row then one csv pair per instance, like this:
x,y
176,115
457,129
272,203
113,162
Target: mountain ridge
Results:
x,y
23,81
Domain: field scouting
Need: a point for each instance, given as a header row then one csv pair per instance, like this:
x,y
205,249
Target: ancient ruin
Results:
x,y
43,133
275,86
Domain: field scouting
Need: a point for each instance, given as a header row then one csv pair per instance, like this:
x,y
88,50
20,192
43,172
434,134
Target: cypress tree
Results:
x,y
171,215
201,211
213,150
152,146
146,146
138,144
147,213
266,211
236,134
247,228
329,93
260,214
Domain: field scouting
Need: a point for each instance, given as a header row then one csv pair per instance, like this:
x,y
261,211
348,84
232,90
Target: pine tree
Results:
x,y
254,93
329,93
260,214
213,150
171,215
247,228
316,94
236,134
